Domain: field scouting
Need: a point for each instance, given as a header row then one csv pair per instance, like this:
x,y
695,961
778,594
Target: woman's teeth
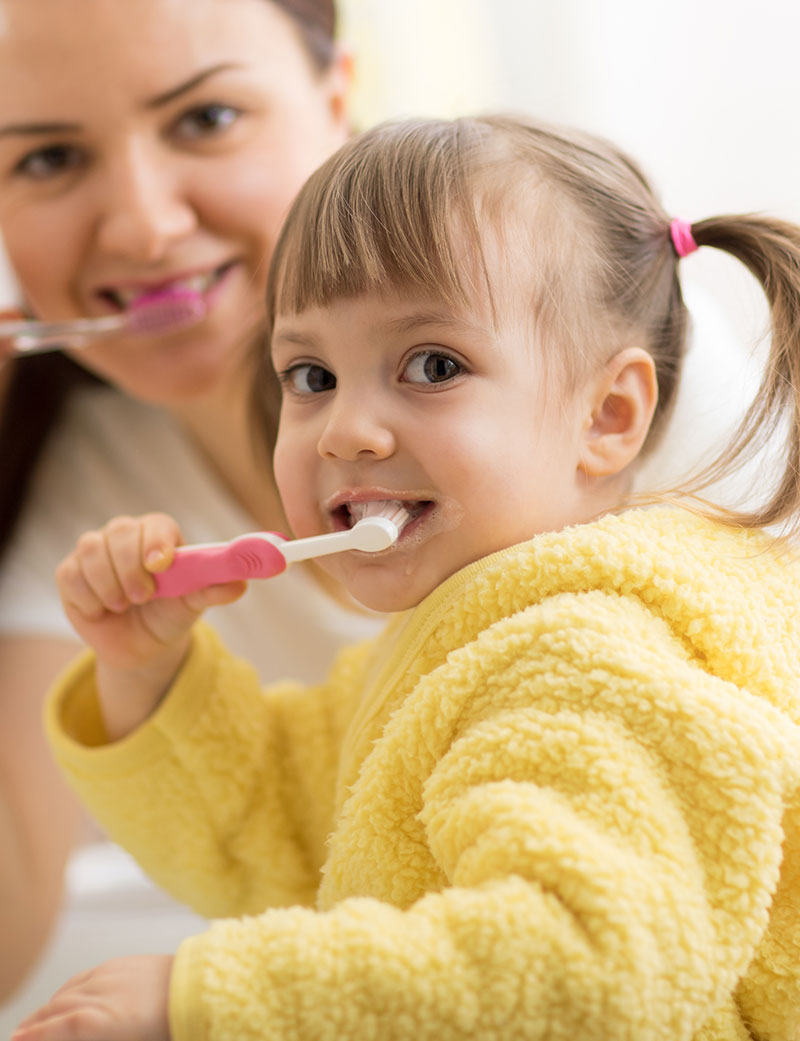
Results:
x,y
199,284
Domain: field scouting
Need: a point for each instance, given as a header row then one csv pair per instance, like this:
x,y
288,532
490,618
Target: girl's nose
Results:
x,y
144,210
354,429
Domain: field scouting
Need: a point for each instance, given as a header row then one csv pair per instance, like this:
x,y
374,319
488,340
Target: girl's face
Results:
x,y
399,398
155,144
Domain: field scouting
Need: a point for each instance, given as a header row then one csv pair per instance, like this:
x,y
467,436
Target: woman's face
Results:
x,y
150,144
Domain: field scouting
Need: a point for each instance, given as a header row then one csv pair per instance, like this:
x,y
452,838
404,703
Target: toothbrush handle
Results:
x,y
196,567
29,336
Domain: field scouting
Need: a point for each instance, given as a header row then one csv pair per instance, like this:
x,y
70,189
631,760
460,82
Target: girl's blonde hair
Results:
x,y
409,206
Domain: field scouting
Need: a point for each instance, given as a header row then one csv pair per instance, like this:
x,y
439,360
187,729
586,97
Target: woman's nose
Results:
x,y
355,428
144,209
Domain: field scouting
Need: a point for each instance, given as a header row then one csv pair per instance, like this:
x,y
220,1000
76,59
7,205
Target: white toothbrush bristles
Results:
x,y
391,511
377,530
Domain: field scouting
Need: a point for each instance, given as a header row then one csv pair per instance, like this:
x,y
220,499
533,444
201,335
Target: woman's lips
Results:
x,y
203,284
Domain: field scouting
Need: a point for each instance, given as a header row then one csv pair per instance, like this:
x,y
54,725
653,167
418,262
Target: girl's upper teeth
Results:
x,y
398,510
376,508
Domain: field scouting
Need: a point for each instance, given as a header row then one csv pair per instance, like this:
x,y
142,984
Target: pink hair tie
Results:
x,y
682,238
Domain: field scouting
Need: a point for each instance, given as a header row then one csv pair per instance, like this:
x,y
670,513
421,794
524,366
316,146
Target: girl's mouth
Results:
x,y
202,284
347,514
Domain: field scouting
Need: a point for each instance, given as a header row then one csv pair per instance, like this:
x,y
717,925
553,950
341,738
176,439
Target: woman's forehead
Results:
x,y
59,48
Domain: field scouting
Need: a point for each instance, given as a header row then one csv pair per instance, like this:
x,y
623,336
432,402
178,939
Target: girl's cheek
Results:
x,y
284,469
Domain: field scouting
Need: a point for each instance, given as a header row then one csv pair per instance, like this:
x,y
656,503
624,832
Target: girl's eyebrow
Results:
x,y
49,128
410,323
290,338
394,326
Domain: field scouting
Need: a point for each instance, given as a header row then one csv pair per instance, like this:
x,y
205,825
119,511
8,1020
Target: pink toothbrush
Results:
x,y
151,314
265,554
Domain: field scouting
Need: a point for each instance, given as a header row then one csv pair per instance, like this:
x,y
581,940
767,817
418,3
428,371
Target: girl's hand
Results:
x,y
123,1000
106,587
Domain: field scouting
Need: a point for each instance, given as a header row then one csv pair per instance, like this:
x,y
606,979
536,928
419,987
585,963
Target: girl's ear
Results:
x,y
622,401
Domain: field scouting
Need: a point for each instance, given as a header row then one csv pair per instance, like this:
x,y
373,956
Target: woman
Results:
x,y
139,153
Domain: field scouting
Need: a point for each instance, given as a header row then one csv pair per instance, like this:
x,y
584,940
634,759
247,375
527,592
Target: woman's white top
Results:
x,y
108,456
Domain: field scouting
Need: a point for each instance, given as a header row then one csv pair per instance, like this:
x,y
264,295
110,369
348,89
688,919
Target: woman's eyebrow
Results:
x,y
190,84
23,129
53,127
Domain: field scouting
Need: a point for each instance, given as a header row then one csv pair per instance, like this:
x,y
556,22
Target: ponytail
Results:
x,y
770,249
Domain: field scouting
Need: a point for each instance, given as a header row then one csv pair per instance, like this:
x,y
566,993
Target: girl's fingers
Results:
x,y
50,1017
215,596
113,561
160,536
123,545
112,569
81,1024
76,592
98,571
80,591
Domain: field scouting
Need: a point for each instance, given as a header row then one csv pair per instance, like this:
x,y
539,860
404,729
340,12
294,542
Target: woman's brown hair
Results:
x,y
316,23
404,204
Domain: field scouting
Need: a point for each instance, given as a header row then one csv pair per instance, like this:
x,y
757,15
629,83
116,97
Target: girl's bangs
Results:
x,y
379,219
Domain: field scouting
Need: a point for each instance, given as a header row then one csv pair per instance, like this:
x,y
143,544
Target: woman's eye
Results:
x,y
50,161
308,379
432,367
206,120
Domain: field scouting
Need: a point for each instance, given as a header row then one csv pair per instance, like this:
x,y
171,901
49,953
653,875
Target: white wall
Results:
x,y
703,93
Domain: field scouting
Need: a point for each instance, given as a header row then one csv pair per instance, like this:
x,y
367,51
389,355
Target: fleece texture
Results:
x,y
560,799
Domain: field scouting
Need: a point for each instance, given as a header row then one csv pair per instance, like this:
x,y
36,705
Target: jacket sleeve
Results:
x,y
225,795
606,815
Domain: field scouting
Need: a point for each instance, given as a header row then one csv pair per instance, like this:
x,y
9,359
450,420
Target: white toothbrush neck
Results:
x,y
371,534
318,546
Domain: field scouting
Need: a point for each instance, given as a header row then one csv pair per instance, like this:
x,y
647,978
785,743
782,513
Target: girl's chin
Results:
x,y
386,594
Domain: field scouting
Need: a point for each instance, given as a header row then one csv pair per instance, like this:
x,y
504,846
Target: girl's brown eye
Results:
x,y
432,367
308,379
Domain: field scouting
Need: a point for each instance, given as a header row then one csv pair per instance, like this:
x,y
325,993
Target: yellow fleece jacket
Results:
x,y
560,799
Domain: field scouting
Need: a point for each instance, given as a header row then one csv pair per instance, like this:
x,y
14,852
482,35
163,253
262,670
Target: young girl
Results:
x,y
560,796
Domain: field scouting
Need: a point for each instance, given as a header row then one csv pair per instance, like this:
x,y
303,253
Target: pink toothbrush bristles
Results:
x,y
162,311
